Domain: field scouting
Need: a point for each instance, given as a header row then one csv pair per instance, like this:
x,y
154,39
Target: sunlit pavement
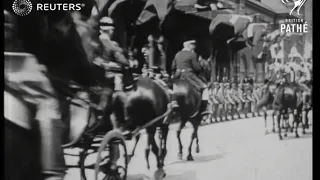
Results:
x,y
233,150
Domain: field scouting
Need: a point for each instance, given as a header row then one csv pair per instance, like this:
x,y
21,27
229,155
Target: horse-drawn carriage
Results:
x,y
86,130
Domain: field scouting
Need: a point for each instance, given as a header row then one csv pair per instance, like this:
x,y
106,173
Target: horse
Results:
x,y
288,97
266,99
191,108
134,109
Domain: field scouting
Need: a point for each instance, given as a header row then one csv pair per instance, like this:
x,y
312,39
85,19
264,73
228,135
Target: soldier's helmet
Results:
x,y
216,84
234,85
240,85
221,84
227,85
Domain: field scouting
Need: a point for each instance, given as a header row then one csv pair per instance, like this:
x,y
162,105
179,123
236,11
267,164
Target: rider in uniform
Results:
x,y
112,55
186,66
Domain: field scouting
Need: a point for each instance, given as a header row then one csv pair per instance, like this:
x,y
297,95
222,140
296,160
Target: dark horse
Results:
x,y
287,98
266,99
138,107
191,108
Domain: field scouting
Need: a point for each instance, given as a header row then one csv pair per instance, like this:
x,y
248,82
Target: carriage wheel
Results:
x,y
104,169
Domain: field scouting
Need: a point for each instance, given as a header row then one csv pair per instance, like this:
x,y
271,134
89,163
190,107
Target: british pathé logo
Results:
x,y
24,7
297,5
294,26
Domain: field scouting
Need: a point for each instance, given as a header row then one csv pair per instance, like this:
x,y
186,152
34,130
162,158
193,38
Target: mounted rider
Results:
x,y
186,66
113,58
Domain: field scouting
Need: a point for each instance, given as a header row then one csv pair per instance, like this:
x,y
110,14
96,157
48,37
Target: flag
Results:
x,y
155,9
229,25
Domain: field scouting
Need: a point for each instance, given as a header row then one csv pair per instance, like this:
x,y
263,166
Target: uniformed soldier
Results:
x,y
234,92
222,100
113,57
186,66
229,101
214,100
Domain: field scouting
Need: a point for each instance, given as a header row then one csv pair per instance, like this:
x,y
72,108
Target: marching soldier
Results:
x,y
214,100
229,101
234,92
221,99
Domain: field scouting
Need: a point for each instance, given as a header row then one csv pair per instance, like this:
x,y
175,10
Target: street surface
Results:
x,y
232,150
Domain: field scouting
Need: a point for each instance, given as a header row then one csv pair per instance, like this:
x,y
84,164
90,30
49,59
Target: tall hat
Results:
x,y
106,23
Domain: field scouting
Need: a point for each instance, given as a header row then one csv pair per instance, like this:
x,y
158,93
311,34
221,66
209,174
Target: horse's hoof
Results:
x,y
285,135
304,132
307,126
180,156
197,150
291,130
280,138
273,130
297,135
190,158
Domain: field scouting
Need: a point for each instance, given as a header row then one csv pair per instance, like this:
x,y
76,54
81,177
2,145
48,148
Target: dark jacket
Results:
x,y
186,60
186,66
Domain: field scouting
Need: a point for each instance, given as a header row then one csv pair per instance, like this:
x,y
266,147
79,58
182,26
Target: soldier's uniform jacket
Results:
x,y
234,93
255,93
228,95
187,67
215,95
241,94
112,52
220,95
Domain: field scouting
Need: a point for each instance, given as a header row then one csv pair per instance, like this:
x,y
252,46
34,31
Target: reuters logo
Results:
x,y
22,7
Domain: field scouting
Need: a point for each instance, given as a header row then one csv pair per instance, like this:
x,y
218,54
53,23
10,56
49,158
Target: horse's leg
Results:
x,y
154,147
137,138
163,144
147,150
265,122
193,136
278,114
273,121
181,126
196,128
296,117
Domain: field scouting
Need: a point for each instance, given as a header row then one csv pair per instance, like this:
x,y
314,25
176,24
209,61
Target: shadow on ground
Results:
x,y
201,159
